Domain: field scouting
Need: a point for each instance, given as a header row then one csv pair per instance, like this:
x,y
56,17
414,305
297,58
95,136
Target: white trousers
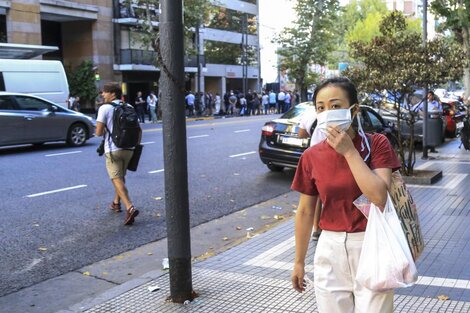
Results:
x,y
336,290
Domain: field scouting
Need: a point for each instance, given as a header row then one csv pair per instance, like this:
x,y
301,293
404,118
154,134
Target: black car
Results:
x,y
280,145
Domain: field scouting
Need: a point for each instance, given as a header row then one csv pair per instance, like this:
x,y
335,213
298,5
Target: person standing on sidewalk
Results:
x,y
140,106
265,103
272,102
117,159
152,104
339,169
218,108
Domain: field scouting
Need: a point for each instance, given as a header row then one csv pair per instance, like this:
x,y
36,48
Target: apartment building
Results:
x,y
69,31
104,31
414,8
222,41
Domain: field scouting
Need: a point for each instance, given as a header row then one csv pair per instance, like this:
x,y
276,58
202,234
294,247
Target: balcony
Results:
x,y
146,57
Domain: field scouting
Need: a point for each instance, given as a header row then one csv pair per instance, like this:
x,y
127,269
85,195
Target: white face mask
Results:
x,y
340,118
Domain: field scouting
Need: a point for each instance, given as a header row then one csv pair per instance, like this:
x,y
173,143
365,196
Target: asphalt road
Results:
x,y
54,203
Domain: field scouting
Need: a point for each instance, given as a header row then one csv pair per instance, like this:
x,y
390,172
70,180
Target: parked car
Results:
x,y
280,145
26,119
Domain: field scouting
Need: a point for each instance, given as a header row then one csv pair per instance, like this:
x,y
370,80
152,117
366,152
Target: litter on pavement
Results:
x,y
165,264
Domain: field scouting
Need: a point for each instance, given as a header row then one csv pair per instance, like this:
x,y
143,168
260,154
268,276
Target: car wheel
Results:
x,y
275,168
77,135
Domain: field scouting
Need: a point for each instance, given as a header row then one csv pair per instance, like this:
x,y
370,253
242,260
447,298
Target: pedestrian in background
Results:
x,y
152,105
281,96
256,104
272,102
243,105
76,104
218,108
70,100
99,100
226,102
139,105
232,100
249,103
338,170
265,102
287,101
190,99
117,159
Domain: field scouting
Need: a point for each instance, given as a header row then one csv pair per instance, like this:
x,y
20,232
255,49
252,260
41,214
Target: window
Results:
x,y
375,122
31,104
6,103
3,28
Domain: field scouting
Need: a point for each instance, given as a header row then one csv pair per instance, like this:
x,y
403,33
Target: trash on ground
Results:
x,y
86,273
236,174
165,264
276,207
149,253
249,232
158,215
36,225
42,249
225,238
443,297
187,302
238,228
153,288
231,200
158,198
278,217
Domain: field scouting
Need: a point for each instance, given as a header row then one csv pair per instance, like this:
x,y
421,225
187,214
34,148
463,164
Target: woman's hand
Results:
x,y
297,277
339,140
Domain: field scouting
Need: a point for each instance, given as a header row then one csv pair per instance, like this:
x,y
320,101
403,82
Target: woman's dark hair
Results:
x,y
340,82
113,87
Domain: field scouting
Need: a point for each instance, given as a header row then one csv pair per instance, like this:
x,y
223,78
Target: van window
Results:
x,y
31,104
6,103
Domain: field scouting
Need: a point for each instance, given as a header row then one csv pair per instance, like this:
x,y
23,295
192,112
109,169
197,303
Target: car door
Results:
x,y
11,122
40,120
371,121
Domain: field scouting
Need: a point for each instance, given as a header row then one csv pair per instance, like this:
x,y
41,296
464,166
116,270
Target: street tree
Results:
x,y
456,15
309,41
395,62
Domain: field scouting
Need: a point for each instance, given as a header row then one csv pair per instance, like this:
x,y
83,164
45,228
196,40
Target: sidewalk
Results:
x,y
255,275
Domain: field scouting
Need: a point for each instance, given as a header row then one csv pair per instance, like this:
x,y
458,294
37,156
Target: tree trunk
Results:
x,y
466,72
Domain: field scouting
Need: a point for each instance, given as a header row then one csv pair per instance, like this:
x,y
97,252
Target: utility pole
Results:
x,y
198,61
426,117
174,150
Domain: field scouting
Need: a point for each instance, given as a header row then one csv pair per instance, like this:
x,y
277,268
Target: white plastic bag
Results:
x,y
386,261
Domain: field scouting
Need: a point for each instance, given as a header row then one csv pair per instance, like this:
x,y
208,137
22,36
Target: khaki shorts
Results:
x,y
116,163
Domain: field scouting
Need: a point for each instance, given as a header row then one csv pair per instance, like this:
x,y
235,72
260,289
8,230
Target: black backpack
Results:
x,y
126,128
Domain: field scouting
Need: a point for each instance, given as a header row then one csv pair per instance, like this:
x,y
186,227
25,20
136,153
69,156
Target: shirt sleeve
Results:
x,y
101,114
303,181
382,154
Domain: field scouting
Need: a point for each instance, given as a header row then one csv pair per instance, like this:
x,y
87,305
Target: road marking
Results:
x,y
242,131
55,191
64,153
147,143
200,136
242,154
157,171
270,259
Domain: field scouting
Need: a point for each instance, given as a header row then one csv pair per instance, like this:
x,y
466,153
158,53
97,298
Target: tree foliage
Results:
x,y
456,15
82,82
309,41
396,61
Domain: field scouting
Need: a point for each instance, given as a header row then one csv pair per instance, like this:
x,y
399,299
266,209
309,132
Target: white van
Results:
x,y
41,78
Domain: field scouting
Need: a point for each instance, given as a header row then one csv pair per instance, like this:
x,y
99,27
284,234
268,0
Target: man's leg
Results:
x,y
121,192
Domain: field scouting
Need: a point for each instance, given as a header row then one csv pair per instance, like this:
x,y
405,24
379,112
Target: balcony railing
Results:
x,y
146,57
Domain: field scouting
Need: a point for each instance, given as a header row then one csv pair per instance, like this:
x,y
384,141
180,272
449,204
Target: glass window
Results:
x,y
31,104
6,103
3,28
375,121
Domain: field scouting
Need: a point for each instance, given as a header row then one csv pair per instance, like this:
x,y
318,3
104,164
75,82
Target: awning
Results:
x,y
18,51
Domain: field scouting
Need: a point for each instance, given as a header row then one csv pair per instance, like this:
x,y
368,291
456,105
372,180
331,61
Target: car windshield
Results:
x,y
296,111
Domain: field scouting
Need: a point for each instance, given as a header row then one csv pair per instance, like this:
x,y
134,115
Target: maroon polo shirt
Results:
x,y
324,172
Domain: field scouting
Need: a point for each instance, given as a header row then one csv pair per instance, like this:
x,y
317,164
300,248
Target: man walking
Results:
x,y
190,99
152,104
117,159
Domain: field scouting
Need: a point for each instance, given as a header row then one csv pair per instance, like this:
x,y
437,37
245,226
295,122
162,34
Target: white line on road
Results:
x,y
64,153
147,143
242,131
200,136
54,191
242,154
157,171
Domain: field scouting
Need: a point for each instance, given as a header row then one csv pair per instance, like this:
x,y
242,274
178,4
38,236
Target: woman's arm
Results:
x,y
303,230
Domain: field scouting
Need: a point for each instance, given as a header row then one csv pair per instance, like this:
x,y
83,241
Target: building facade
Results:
x,y
104,32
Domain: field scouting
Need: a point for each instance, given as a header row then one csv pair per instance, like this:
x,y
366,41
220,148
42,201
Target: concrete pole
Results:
x,y
425,121
175,152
